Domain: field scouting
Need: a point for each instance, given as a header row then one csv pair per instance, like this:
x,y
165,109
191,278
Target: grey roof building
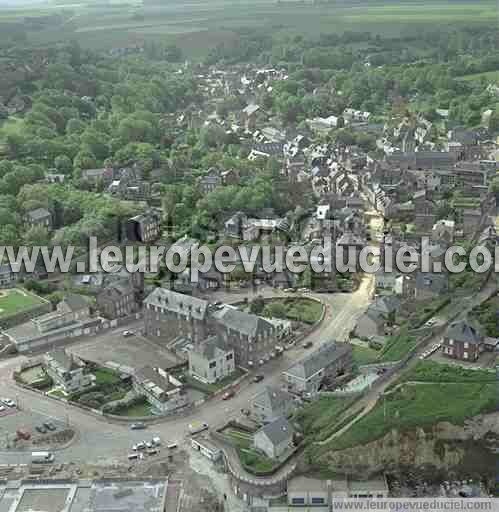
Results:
x,y
463,332
178,303
271,404
429,285
245,323
274,438
325,363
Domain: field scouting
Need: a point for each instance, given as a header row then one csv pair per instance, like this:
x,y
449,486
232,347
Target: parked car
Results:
x,y
41,429
49,426
8,402
138,426
2,408
156,441
126,334
139,446
258,378
228,394
307,344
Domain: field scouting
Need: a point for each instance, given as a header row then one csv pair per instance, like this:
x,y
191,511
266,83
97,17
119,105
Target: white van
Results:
x,y
42,458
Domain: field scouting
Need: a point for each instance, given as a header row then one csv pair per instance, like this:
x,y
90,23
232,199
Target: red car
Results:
x,y
228,394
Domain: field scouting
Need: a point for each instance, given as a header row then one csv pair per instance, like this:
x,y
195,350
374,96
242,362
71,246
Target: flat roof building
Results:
x,y
83,495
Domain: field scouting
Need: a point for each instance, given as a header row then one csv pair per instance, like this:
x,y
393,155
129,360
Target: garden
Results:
x,y
251,460
298,309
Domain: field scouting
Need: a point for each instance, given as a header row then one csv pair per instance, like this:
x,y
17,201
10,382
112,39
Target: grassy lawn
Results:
x,y
419,405
16,300
136,410
255,462
299,309
430,371
319,419
364,355
397,347
304,310
240,439
105,376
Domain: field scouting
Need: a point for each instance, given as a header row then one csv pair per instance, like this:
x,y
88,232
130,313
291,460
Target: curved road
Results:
x,y
105,443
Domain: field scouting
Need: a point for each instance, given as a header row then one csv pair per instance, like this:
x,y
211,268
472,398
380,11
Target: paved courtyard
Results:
x,y
132,351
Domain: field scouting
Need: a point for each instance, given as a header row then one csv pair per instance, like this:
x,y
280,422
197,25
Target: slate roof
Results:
x,y
246,323
178,303
273,398
437,283
211,348
385,305
462,331
318,359
277,431
75,302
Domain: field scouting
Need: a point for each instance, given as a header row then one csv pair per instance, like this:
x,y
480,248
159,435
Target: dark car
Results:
x,y
49,426
258,378
41,429
137,426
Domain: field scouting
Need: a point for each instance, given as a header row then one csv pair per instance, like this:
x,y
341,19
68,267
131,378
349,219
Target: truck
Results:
x,y
197,426
42,458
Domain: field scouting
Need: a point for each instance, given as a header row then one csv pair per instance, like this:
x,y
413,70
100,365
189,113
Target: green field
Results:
x,y
319,419
456,395
17,300
397,347
197,26
489,76
364,355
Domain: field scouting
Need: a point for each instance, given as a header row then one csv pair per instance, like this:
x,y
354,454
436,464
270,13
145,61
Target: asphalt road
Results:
x,y
105,443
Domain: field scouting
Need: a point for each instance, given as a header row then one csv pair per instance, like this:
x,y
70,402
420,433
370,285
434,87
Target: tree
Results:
x,y
36,236
63,164
494,122
257,305
75,126
85,159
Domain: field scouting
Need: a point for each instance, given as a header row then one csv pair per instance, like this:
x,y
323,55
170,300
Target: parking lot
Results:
x,y
131,351
29,420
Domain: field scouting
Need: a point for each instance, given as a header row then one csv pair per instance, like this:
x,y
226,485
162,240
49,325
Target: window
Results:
x,y
229,357
317,501
451,342
466,344
213,364
465,355
298,501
